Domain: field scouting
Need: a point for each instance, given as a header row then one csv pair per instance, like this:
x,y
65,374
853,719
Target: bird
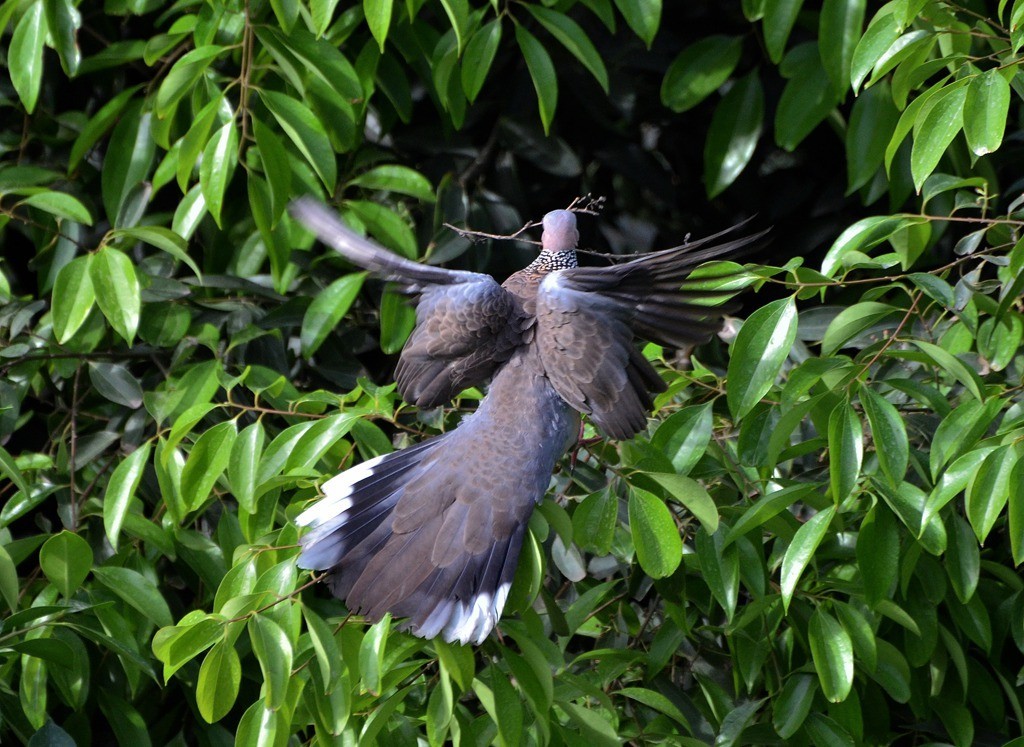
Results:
x,y
432,533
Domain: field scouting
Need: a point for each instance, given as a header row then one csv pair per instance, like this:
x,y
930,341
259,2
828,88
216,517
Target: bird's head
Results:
x,y
560,234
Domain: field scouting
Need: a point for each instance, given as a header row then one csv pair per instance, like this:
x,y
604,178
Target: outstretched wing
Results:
x,y
587,318
466,323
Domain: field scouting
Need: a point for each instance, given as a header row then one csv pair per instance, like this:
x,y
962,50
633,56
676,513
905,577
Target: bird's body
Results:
x,y
432,533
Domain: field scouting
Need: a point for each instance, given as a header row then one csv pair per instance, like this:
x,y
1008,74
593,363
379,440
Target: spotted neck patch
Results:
x,y
550,261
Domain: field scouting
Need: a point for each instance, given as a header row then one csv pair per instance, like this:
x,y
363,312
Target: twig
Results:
x,y
584,204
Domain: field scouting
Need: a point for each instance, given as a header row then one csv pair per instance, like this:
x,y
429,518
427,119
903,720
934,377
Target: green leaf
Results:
x,y
274,653
243,464
935,131
892,672
699,71
25,55
114,382
889,433
458,14
878,553
219,679
117,290
479,56
1015,525
733,134
763,509
137,591
65,559
98,125
9,584
691,494
963,559
276,167
574,39
839,30
657,701
594,522
306,132
10,468
985,111
861,236
792,704
832,651
989,490
386,225
315,442
73,297
720,569
397,318
184,76
684,436
807,99
396,178
218,166
845,450
206,462
327,309
880,35
801,550
542,73
162,238
760,349
59,204
659,548
63,21
371,655
779,17
378,17
121,489
872,123
854,321
642,16
953,366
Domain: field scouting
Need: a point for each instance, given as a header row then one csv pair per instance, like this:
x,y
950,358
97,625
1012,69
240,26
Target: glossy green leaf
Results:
x,y
963,559
371,655
25,55
734,133
218,166
378,17
861,236
386,226
458,15
937,128
73,297
699,71
846,450
66,559
760,349
219,679
397,319
889,433
542,73
856,320
878,553
184,76
720,569
985,110
989,490
873,120
892,672
396,178
684,436
124,481
59,204
691,494
801,551
793,703
657,701
162,238
138,591
953,366
306,132
839,30
327,310
642,16
594,521
479,56
659,548
117,290
207,460
97,125
778,21
1015,511
807,99
879,36
116,383
274,653
245,458
571,36
832,651
63,21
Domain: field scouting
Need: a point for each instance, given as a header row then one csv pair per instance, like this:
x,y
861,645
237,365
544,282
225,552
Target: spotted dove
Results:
x,y
432,532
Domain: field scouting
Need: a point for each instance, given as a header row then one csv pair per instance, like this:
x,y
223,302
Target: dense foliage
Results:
x,y
818,539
